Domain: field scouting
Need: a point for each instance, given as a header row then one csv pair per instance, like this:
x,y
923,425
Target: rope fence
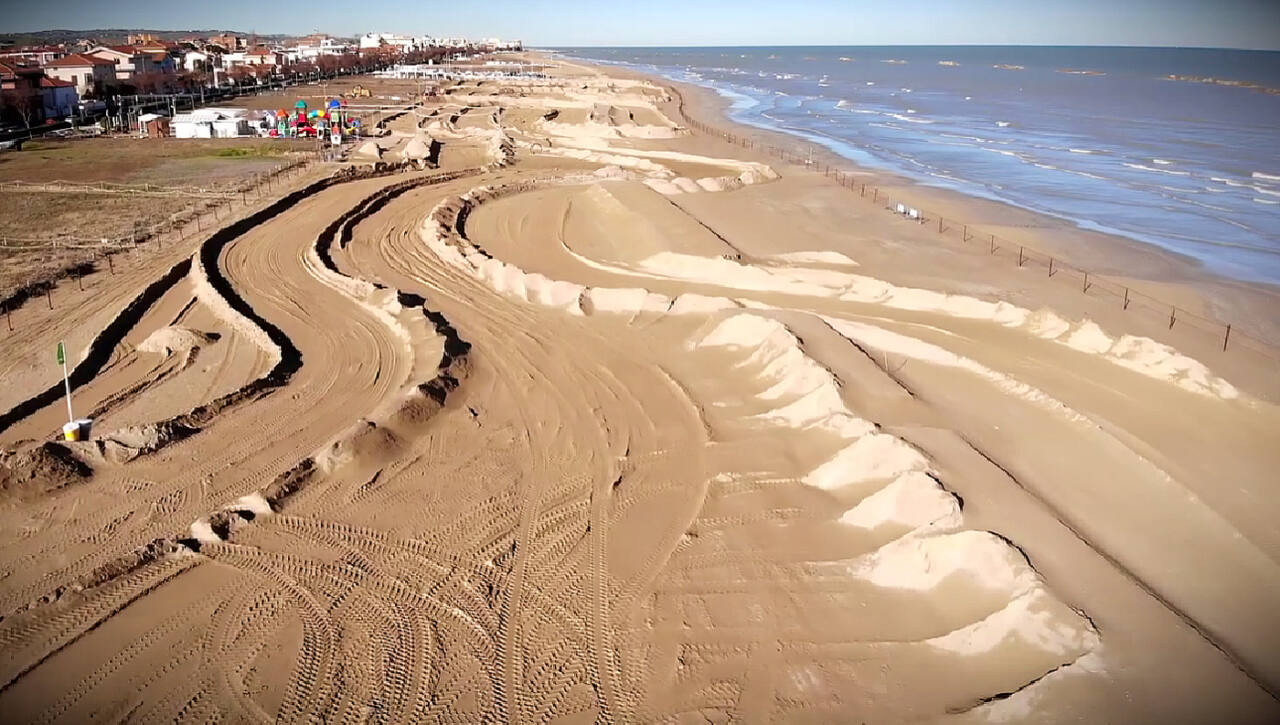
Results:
x,y
1089,283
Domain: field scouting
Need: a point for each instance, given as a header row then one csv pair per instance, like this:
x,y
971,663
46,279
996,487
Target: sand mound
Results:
x,y
416,150
168,340
126,444
365,443
40,468
369,150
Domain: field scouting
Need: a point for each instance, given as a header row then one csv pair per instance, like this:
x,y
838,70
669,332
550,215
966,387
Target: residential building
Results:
x,y
264,56
205,60
38,53
89,73
231,43
128,60
20,91
314,46
403,43
143,39
59,97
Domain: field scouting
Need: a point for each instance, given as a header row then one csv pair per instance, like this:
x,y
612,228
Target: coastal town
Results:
x,y
80,82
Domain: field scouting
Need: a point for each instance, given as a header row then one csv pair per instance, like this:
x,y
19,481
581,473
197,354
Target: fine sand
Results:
x,y
554,409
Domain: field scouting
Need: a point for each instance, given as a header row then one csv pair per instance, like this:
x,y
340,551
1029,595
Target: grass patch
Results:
x,y
236,152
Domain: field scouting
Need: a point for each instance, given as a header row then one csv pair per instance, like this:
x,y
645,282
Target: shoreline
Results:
x,y
1165,276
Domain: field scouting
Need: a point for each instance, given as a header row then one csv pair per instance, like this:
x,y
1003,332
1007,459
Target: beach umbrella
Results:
x,y
300,104
333,103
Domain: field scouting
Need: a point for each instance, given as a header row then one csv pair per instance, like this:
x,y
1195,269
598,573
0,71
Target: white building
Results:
x,y
195,60
311,49
403,43
212,123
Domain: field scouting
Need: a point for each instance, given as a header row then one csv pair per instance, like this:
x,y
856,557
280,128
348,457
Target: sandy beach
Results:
x,y
551,407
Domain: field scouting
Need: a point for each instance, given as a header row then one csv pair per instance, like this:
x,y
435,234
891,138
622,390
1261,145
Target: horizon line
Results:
x,y
922,45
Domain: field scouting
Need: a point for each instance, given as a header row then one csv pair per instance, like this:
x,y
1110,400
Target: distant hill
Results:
x,y
118,35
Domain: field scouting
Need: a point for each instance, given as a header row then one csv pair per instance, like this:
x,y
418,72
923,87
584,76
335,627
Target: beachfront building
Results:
x,y
401,43
89,73
499,44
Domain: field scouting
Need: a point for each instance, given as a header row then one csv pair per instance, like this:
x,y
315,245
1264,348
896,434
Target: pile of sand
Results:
x,y
175,338
416,150
369,151
34,469
126,444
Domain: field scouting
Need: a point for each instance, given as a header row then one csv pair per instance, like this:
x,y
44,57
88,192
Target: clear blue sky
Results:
x,y
550,23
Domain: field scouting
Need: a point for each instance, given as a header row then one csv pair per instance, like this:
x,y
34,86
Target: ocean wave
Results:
x,y
1002,152
909,119
1162,162
1228,182
1268,202
1268,177
845,59
1216,191
1082,151
1006,66
843,104
894,61
966,138
1226,82
950,63
1002,124
1267,191
1161,171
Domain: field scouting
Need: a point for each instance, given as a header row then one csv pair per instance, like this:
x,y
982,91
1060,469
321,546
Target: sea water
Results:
x,y
1178,148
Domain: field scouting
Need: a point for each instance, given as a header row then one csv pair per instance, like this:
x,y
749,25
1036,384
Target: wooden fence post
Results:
x,y
48,295
1225,338
111,264
1050,266
1020,255
8,317
1173,316
939,223
1126,298
964,233
993,244
1085,289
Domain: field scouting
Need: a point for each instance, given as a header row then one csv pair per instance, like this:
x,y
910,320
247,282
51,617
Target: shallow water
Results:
x,y
1099,136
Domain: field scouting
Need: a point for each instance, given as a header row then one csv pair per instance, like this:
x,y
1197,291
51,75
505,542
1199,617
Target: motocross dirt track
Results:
x,y
525,438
